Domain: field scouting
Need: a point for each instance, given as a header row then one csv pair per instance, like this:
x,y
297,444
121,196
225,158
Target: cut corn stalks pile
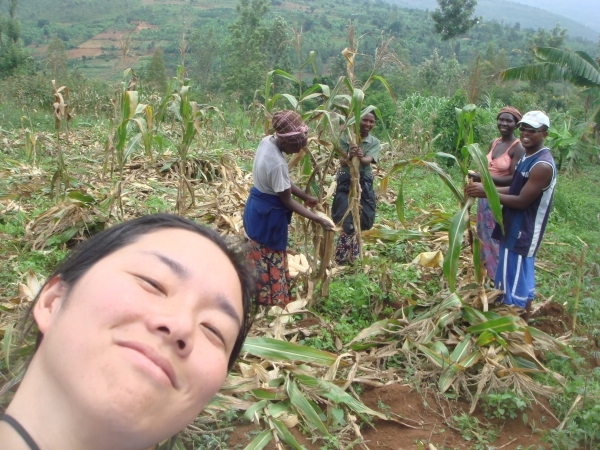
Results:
x,y
277,382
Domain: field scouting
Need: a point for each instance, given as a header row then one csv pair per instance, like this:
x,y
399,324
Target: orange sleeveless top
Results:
x,y
500,166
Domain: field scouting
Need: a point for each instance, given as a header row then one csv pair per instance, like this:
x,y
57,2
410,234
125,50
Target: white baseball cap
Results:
x,y
536,119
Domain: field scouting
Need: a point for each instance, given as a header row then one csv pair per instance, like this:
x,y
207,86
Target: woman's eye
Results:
x,y
216,333
152,284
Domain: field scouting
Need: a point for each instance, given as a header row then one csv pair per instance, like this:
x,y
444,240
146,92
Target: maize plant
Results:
x,y
118,146
60,111
461,220
461,346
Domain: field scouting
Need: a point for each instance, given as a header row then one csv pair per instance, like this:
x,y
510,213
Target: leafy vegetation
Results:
x,y
416,309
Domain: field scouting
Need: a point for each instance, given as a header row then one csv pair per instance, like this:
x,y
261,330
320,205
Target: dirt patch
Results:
x,y
424,408
423,416
143,26
107,39
552,319
87,52
308,322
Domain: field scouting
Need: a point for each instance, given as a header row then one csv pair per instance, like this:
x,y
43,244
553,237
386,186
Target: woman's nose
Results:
x,y
177,330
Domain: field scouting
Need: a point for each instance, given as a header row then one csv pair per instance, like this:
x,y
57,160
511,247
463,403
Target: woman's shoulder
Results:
x,y
517,149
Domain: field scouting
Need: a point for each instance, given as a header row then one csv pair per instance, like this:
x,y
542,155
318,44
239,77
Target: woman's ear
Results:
x,y
48,303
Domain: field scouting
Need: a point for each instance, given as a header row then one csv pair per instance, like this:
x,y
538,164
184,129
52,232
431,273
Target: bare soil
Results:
x,y
552,319
425,417
108,38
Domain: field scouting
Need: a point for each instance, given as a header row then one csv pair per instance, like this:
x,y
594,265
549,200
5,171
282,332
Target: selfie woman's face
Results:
x,y
144,337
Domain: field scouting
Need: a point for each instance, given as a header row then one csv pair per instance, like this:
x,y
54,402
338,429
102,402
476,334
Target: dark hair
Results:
x,y
99,246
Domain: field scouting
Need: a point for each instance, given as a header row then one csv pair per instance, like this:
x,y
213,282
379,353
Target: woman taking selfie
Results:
x,y
137,330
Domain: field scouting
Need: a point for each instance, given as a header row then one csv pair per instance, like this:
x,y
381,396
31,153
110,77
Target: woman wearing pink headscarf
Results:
x,y
270,205
504,154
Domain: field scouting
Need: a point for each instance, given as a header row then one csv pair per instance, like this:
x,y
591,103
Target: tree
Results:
x,y
454,17
56,58
156,74
12,54
252,48
204,48
554,64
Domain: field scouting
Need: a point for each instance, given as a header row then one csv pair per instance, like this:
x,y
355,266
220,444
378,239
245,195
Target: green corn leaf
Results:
x,y
447,179
486,338
260,441
400,203
250,412
455,238
276,350
460,120
266,394
488,184
462,349
502,324
470,360
285,435
382,81
522,363
473,316
81,198
303,406
436,358
338,395
439,347
446,319
489,315
489,336
395,168
280,408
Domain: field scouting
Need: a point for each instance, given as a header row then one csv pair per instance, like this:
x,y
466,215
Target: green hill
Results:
x,y
95,33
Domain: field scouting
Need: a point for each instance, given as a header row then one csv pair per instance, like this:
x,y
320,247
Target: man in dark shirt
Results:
x,y
525,208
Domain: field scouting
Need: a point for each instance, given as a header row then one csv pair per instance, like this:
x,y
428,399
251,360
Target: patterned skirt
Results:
x,y
270,271
488,252
346,251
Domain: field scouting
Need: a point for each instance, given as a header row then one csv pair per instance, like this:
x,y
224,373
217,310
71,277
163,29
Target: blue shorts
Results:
x,y
515,277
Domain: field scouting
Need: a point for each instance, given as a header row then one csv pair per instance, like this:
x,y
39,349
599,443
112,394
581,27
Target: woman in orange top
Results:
x,y
504,154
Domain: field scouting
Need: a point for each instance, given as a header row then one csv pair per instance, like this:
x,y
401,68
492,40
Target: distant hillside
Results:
x,y
532,17
585,11
104,38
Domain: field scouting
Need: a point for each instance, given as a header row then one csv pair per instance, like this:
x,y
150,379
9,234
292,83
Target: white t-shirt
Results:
x,y
270,169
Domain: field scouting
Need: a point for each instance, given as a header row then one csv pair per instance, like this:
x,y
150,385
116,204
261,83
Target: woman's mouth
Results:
x,y
154,357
